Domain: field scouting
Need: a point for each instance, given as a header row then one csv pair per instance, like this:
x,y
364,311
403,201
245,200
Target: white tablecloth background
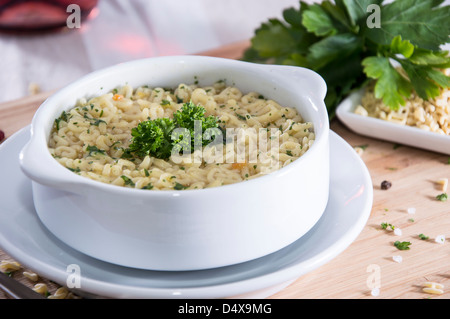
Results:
x,y
128,29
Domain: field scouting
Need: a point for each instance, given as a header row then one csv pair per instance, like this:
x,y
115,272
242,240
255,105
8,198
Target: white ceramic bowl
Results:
x,y
187,229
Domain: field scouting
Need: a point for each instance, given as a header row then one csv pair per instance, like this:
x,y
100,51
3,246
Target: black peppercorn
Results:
x,y
386,185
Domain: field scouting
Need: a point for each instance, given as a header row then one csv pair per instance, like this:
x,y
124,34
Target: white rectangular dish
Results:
x,y
381,129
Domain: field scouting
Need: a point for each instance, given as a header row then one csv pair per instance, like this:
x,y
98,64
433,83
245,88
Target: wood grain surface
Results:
x,y
413,174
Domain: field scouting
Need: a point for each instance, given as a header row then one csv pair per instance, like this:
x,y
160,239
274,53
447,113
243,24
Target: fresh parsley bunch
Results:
x,y
155,138
335,40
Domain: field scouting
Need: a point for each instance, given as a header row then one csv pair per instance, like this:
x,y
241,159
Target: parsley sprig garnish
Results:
x,y
156,138
336,40
151,137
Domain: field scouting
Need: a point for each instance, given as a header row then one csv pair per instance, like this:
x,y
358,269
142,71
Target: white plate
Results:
x,y
393,132
26,240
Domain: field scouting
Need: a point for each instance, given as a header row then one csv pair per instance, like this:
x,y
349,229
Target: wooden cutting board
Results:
x,y
352,274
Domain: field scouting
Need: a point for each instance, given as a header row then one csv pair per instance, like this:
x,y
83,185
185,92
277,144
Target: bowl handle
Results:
x,y
33,160
311,81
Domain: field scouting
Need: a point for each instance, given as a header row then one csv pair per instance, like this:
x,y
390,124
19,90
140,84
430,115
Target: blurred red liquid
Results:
x,y
40,15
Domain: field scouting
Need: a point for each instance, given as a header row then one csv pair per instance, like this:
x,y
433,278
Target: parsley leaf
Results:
x,y
426,81
391,86
404,245
317,21
331,48
357,10
403,47
93,121
94,150
274,40
65,116
127,181
438,59
179,186
386,225
420,21
148,186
